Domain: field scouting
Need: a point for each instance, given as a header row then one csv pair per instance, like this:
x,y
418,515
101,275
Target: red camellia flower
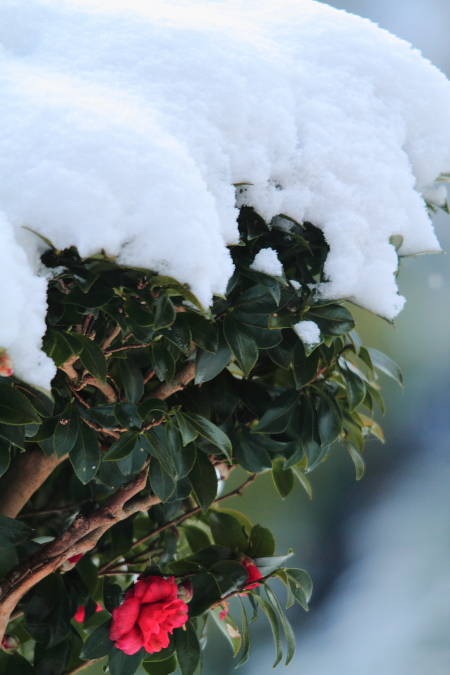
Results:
x,y
253,572
150,612
81,613
6,365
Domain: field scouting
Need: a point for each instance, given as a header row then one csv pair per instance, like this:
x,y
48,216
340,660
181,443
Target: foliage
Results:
x,y
148,378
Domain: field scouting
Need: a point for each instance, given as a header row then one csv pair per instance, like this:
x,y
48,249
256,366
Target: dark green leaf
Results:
x,y
211,433
230,575
262,543
48,612
301,585
162,483
229,628
123,664
165,311
127,416
328,422
132,379
269,612
250,452
204,481
241,344
305,367
122,447
98,643
287,628
104,415
196,537
357,459
163,362
92,357
209,365
245,637
228,531
332,320
13,532
277,418
206,593
5,455
165,667
16,664
66,432
204,333
15,408
41,400
309,434
187,429
356,389
386,365
138,313
188,648
85,455
269,564
179,334
152,405
62,350
282,478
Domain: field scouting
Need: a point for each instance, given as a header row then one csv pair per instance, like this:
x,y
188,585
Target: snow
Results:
x,y
308,332
124,125
266,261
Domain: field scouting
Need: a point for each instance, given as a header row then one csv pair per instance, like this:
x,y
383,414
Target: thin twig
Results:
x,y
115,332
176,521
121,349
82,666
58,509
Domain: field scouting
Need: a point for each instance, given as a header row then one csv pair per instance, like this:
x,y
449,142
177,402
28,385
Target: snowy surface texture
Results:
x,y
308,332
125,123
267,261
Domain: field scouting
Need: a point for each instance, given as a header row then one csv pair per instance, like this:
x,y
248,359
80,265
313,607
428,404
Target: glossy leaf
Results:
x,y
301,585
163,362
204,333
15,408
283,478
66,432
13,532
227,531
209,365
98,643
206,593
229,628
85,454
204,481
122,447
277,418
188,648
386,365
211,433
287,628
270,613
132,379
241,344
162,483
262,542
123,664
92,357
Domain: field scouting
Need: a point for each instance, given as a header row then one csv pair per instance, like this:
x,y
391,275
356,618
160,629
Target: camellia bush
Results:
x,y
120,471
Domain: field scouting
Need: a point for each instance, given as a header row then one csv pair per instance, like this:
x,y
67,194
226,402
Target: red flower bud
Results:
x,y
10,643
6,365
75,558
253,572
224,611
81,612
185,590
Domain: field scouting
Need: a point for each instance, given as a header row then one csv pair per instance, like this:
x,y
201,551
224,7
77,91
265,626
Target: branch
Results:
x,y
105,388
173,523
81,666
180,381
57,509
114,333
26,474
80,537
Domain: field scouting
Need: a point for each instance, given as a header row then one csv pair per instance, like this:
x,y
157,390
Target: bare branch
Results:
x,y
180,381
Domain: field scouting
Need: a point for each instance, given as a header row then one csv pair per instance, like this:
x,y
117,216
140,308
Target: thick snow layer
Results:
x,y
308,332
125,123
266,260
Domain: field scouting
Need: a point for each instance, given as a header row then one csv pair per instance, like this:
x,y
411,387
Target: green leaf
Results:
x,y
112,595
16,664
229,628
262,542
127,415
228,531
122,447
241,344
290,600
48,611
196,538
287,628
375,394
163,362
66,432
250,451
309,434
206,593
356,389
357,459
187,429
62,350
282,478
179,334
230,575
269,612
302,479
161,482
104,415
188,648
98,643
304,367
41,400
163,655
209,365
301,585
123,664
211,432
5,455
165,667
85,455
92,357
13,532
328,423
245,637
88,571
132,379
277,418
269,564
333,320
15,408
138,313
165,313
152,405
204,481
204,333
386,365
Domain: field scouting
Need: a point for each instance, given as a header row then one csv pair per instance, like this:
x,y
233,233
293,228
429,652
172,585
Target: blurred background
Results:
x,y
377,550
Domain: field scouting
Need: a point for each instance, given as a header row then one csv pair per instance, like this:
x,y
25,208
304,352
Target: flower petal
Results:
x,y
124,618
131,642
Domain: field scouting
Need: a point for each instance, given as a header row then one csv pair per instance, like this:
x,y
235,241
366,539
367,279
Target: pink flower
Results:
x,y
150,612
6,365
10,643
253,572
81,612
224,611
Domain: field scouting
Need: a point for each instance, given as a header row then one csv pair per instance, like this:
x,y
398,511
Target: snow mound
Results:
x,y
124,125
266,261
308,332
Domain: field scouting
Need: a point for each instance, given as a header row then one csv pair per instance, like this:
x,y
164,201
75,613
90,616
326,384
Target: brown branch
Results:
x,y
68,368
180,381
26,474
81,666
105,388
57,509
173,523
80,537
121,349
114,333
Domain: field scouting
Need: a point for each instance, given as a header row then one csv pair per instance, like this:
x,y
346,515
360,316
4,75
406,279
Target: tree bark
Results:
x,y
26,474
